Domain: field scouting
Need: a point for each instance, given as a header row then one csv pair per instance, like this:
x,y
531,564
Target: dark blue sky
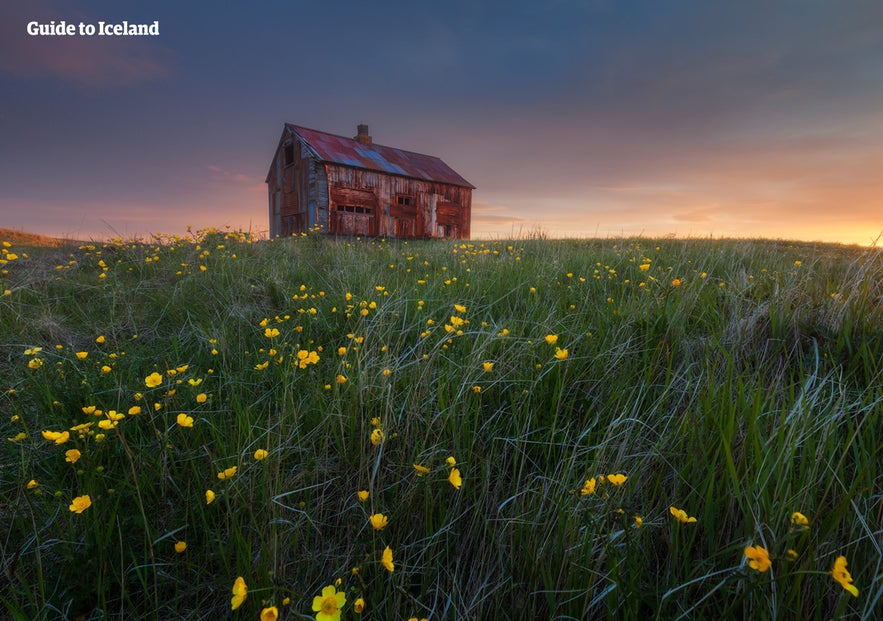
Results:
x,y
575,117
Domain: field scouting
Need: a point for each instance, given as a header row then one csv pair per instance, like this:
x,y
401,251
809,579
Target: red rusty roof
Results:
x,y
350,152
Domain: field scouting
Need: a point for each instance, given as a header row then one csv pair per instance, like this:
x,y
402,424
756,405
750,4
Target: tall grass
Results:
x,y
739,381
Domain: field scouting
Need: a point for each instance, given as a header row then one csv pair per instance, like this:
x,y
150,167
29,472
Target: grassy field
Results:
x,y
529,429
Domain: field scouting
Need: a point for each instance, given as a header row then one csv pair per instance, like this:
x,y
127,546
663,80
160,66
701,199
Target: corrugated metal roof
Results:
x,y
349,152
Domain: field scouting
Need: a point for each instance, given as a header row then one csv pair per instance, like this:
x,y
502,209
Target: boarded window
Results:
x,y
402,199
289,154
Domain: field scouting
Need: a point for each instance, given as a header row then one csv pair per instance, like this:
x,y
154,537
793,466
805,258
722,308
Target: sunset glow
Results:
x,y
573,119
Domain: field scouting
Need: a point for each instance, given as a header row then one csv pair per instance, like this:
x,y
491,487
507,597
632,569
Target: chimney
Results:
x,y
362,137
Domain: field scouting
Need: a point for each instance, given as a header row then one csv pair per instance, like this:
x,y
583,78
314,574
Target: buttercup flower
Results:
x,y
377,436
260,454
758,558
420,470
72,456
328,604
488,367
798,519
201,397
270,614
153,380
82,355
378,521
362,495
589,487
240,592
184,420
209,496
359,606
451,461
32,484
680,515
228,473
454,478
271,333
841,575
180,546
386,559
59,437
551,339
80,504
561,354
639,521
617,479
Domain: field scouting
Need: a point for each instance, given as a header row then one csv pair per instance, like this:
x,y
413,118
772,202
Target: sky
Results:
x,y
573,118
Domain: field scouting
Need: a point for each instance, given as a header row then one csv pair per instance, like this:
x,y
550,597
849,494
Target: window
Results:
x,y
289,154
401,199
355,209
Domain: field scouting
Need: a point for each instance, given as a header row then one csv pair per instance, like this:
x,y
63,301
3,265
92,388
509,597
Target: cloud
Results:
x,y
92,61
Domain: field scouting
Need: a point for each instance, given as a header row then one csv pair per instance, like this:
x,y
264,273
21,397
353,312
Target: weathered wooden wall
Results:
x,y
345,200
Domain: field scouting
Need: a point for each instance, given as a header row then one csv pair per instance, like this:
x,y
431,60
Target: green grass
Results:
x,y
740,381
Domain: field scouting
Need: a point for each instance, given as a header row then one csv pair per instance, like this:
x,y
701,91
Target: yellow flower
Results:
x,y
617,479
386,559
21,435
270,614
421,470
378,521
201,397
459,308
328,604
260,454
561,354
72,456
362,495
644,267
589,487
80,503
377,436
106,369
228,473
180,546
758,558
639,521
209,496
59,437
263,365
340,379
551,339
488,367
35,363
32,484
341,351
359,606
240,592
676,282
271,333
134,410
798,519
153,380
455,479
841,575
81,355
184,420
99,339
680,515
451,461
791,554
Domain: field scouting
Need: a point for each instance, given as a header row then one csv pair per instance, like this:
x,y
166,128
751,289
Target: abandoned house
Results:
x,y
351,186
